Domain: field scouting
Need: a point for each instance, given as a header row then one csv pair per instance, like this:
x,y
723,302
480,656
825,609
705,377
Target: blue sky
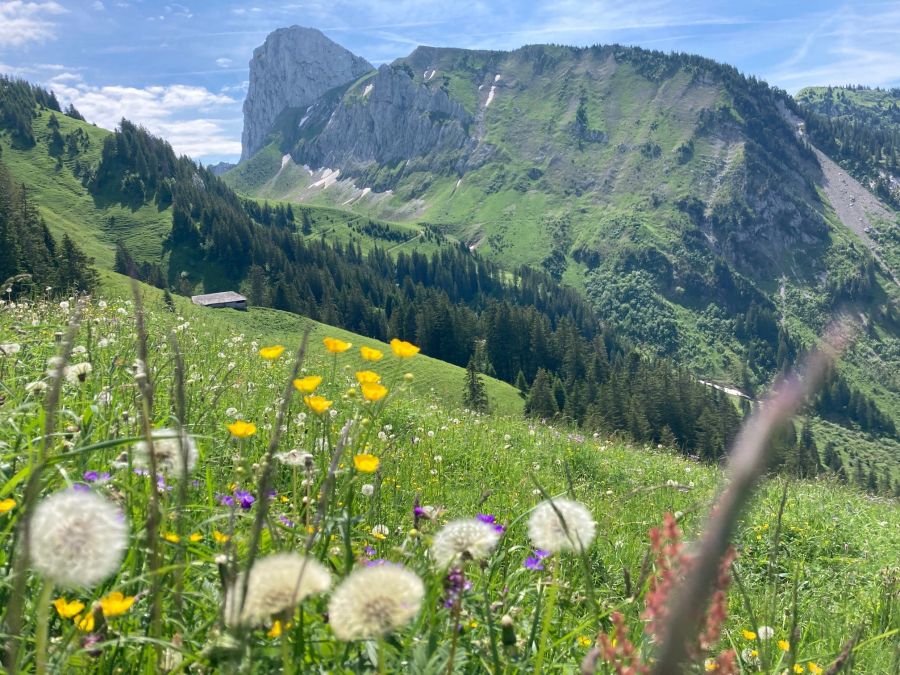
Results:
x,y
181,69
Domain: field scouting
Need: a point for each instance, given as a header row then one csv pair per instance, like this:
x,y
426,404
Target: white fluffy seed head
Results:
x,y
574,530
77,538
461,540
167,449
78,372
278,583
374,601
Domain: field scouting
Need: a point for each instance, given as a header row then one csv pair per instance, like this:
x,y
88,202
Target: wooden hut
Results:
x,y
217,300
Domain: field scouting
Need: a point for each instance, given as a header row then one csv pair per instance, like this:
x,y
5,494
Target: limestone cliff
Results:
x,y
291,69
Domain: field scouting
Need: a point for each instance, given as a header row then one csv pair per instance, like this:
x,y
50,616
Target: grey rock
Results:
x,y
387,119
293,68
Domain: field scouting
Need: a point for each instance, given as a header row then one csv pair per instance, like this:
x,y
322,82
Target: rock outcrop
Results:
x,y
385,120
292,69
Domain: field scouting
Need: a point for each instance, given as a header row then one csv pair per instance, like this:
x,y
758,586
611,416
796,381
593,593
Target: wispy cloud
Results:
x,y
851,44
25,22
196,121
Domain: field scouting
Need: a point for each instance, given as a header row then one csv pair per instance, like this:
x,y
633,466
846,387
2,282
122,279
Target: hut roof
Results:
x,y
217,298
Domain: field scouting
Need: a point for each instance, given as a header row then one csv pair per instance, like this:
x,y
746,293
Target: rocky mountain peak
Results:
x,y
291,69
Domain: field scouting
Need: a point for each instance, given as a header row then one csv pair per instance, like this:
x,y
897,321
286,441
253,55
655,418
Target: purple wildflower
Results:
x,y
454,585
376,563
287,522
244,498
536,562
369,550
225,500
490,519
81,487
90,476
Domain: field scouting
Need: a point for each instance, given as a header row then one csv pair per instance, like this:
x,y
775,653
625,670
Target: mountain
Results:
x,y
860,127
293,68
681,198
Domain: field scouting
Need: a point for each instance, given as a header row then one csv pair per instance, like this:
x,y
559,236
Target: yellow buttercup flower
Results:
x,y
67,609
85,623
784,645
271,353
403,349
241,429
584,641
814,668
370,354
307,384
219,537
336,346
277,629
318,404
749,635
372,391
798,668
195,537
116,603
367,376
365,463
171,537
7,505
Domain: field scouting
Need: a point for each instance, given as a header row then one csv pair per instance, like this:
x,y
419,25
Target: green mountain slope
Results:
x,y
673,192
859,127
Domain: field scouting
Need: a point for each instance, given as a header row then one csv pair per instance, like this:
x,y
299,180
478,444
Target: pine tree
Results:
x,y
540,401
474,394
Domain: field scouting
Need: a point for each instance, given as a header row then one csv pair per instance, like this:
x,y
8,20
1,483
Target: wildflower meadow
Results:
x,y
185,493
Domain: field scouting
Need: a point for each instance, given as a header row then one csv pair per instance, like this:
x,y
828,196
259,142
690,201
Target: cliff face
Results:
x,y
293,68
386,119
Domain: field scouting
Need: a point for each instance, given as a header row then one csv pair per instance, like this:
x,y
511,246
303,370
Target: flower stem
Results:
x,y
549,607
43,620
382,665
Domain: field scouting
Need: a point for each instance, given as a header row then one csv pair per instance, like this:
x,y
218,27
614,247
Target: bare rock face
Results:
x,y
291,69
390,120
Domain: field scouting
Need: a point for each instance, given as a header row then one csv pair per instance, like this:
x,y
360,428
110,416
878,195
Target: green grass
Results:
x,y
69,208
837,547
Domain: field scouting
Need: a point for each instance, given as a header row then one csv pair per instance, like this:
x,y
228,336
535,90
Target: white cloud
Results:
x,y
24,22
197,122
98,5
223,62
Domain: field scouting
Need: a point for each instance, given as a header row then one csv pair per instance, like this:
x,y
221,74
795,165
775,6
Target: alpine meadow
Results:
x,y
548,359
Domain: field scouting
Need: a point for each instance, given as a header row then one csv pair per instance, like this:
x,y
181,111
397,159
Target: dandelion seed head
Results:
x,y
277,583
375,601
461,540
78,372
77,538
167,449
568,526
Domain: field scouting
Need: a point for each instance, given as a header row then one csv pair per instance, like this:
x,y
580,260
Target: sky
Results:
x,y
181,69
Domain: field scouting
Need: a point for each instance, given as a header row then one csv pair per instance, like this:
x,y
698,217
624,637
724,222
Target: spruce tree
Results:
x,y
474,394
541,402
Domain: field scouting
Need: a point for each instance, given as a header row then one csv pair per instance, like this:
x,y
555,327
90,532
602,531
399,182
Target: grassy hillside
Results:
x,y
813,568
431,378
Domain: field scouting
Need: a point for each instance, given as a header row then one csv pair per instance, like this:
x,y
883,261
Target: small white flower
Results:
x,y
64,305
380,530
79,350
231,412
294,458
561,524
367,490
102,304
104,397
